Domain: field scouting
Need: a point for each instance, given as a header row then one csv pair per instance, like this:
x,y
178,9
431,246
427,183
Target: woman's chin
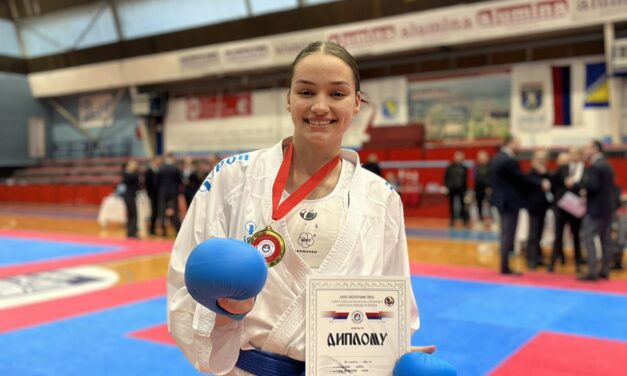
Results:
x,y
318,138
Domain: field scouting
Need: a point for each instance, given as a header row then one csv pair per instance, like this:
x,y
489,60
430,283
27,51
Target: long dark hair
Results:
x,y
330,48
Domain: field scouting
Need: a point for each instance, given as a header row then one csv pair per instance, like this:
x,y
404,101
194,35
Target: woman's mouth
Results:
x,y
319,122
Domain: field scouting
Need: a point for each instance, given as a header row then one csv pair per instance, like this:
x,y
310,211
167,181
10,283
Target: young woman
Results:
x,y
355,218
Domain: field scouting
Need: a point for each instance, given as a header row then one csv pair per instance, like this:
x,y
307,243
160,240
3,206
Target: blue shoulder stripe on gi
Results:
x,y
230,160
206,185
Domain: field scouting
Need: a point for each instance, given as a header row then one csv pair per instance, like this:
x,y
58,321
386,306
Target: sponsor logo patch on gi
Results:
x,y
250,228
306,239
308,215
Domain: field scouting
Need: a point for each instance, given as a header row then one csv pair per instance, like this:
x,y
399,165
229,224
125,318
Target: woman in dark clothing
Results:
x,y
537,205
567,166
130,181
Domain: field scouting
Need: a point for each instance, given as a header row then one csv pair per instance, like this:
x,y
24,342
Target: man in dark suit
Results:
x,y
569,167
510,188
130,179
169,180
455,181
598,189
152,190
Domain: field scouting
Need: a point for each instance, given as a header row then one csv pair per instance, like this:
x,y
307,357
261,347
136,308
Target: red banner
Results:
x,y
219,106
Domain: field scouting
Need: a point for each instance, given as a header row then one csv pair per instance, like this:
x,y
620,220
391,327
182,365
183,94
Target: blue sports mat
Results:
x,y
15,251
475,325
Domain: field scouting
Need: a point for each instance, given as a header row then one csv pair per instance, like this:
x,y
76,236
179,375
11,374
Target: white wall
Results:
x,y
268,123
269,120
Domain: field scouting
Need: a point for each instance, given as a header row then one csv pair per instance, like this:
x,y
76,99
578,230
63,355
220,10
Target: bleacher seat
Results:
x,y
82,181
396,137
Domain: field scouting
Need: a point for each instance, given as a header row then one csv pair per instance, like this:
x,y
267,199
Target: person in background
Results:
x,y
207,165
191,179
169,180
130,180
372,165
392,179
510,188
152,190
618,232
538,202
455,181
598,188
482,183
569,166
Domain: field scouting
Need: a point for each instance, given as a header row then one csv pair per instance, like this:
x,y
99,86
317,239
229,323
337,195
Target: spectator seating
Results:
x,y
70,181
396,137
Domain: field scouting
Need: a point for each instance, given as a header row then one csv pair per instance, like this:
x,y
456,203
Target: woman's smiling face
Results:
x,y
322,99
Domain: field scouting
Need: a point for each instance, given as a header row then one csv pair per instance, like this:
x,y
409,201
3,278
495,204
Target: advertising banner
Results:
x,y
464,107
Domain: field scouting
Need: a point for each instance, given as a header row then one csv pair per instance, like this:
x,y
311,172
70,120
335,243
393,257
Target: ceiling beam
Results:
x,y
5,12
327,14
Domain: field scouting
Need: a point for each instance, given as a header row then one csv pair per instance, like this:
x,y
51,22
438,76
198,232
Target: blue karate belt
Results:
x,y
263,363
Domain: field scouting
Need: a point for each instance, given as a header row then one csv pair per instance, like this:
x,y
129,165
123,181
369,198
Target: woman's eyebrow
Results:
x,y
305,82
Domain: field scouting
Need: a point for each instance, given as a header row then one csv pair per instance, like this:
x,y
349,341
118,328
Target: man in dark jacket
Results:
x,y
598,189
152,190
130,181
191,179
455,178
169,180
510,188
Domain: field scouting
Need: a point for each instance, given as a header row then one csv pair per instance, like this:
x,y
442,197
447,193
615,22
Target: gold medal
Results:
x,y
271,245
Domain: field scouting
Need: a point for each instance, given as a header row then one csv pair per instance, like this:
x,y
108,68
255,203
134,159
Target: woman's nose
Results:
x,y
320,106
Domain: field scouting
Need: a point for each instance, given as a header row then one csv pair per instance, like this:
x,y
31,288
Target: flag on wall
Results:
x,y
561,95
597,91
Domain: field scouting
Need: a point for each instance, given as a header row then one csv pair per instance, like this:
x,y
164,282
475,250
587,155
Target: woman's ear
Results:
x,y
358,99
288,100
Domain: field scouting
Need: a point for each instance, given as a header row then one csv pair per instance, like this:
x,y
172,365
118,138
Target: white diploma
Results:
x,y
356,325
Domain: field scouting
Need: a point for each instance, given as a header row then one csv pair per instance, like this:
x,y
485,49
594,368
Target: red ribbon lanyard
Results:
x,y
279,211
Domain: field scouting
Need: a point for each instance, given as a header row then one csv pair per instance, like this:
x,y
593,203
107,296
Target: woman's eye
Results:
x,y
338,94
305,93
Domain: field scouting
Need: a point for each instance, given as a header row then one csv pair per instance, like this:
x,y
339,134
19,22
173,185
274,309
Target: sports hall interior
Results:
x,y
87,85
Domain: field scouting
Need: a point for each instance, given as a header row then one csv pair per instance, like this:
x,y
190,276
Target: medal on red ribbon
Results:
x,y
269,242
271,245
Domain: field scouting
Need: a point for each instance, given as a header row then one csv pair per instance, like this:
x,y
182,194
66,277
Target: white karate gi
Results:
x,y
235,201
